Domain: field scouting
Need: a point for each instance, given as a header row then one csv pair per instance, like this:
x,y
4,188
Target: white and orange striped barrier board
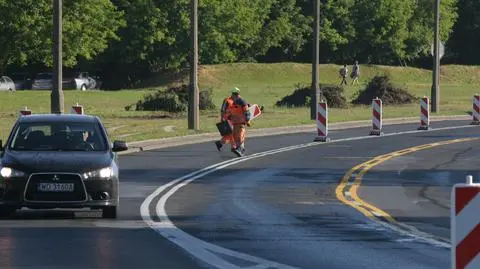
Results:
x,y
465,225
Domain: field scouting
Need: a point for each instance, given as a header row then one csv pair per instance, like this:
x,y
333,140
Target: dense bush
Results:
x,y
161,100
302,96
174,99
381,87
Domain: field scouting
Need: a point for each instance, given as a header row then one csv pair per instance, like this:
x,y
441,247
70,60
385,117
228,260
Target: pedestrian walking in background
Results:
x,y
355,72
343,74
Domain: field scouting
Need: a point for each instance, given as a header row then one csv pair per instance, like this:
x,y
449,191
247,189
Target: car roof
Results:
x,y
73,118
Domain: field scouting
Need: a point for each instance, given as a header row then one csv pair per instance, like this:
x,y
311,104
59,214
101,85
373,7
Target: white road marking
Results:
x,y
205,251
259,266
420,201
310,203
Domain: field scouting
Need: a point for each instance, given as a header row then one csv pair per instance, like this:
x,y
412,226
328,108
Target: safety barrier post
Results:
x,y
377,117
322,122
465,225
25,112
476,110
424,114
77,109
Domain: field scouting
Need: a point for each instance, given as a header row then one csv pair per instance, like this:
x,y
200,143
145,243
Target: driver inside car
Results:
x,y
83,140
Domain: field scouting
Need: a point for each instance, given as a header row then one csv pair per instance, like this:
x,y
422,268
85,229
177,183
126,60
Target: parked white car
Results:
x,y
77,81
7,84
80,81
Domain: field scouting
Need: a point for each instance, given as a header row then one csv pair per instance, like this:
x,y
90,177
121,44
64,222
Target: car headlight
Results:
x,y
7,172
106,172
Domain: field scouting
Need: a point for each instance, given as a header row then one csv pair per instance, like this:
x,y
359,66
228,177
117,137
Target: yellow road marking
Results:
x,y
369,210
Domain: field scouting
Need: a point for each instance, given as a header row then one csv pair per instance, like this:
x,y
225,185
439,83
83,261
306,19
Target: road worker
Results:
x,y
239,116
227,103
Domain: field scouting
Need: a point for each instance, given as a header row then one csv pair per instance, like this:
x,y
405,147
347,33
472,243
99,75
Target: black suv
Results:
x,y
59,161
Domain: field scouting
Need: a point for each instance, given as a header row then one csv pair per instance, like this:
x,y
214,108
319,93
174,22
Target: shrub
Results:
x,y
334,96
206,102
159,100
381,87
174,99
302,96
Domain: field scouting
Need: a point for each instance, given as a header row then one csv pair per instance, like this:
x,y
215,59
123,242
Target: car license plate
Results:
x,y
55,187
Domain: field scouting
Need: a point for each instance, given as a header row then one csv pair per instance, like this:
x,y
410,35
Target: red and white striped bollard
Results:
x,y
322,122
377,117
424,114
465,225
25,112
77,109
476,110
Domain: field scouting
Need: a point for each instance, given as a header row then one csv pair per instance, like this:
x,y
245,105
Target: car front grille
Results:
x,y
59,187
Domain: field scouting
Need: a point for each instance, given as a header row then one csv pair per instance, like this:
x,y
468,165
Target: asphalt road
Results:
x,y
279,208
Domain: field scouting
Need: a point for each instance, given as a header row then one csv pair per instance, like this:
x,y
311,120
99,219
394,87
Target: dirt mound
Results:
x,y
302,96
381,87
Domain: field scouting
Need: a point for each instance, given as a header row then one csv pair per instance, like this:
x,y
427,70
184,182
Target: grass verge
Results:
x,y
260,83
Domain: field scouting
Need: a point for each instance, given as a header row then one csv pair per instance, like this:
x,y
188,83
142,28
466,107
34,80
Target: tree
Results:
x,y
421,26
26,30
381,29
466,33
337,35
129,58
229,30
243,30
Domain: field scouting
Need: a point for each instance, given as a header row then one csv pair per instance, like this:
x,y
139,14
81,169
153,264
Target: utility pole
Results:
x,y
315,60
193,100
56,97
436,65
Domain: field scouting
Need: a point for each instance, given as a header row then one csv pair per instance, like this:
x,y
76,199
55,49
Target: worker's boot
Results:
x,y
237,151
219,145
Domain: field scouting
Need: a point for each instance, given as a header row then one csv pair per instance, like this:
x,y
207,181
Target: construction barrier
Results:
x,y
424,114
25,112
77,109
377,117
465,225
322,122
476,110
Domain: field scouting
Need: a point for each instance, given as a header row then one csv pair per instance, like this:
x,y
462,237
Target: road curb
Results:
x,y
144,145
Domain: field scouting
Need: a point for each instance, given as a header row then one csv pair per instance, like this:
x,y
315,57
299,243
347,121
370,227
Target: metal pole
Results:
x,y
193,100
56,97
436,66
315,60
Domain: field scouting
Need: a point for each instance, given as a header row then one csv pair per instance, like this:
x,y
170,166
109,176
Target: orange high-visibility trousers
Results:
x,y
239,134
227,139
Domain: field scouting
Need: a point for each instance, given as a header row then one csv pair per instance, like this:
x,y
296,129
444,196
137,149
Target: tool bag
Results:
x,y
224,128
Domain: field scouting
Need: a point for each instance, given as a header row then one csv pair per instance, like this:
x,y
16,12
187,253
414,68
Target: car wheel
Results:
x,y
7,211
83,88
109,212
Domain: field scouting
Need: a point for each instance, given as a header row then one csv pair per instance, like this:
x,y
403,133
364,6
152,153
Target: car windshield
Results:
x,y
58,136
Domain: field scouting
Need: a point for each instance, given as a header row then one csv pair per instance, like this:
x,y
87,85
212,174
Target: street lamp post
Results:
x,y
436,65
315,60
193,100
56,97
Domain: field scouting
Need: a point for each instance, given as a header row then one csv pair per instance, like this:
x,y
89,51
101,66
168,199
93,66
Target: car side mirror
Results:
x,y
119,146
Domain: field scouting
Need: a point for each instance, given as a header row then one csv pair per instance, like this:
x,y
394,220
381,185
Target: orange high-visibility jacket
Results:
x,y
227,102
238,112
